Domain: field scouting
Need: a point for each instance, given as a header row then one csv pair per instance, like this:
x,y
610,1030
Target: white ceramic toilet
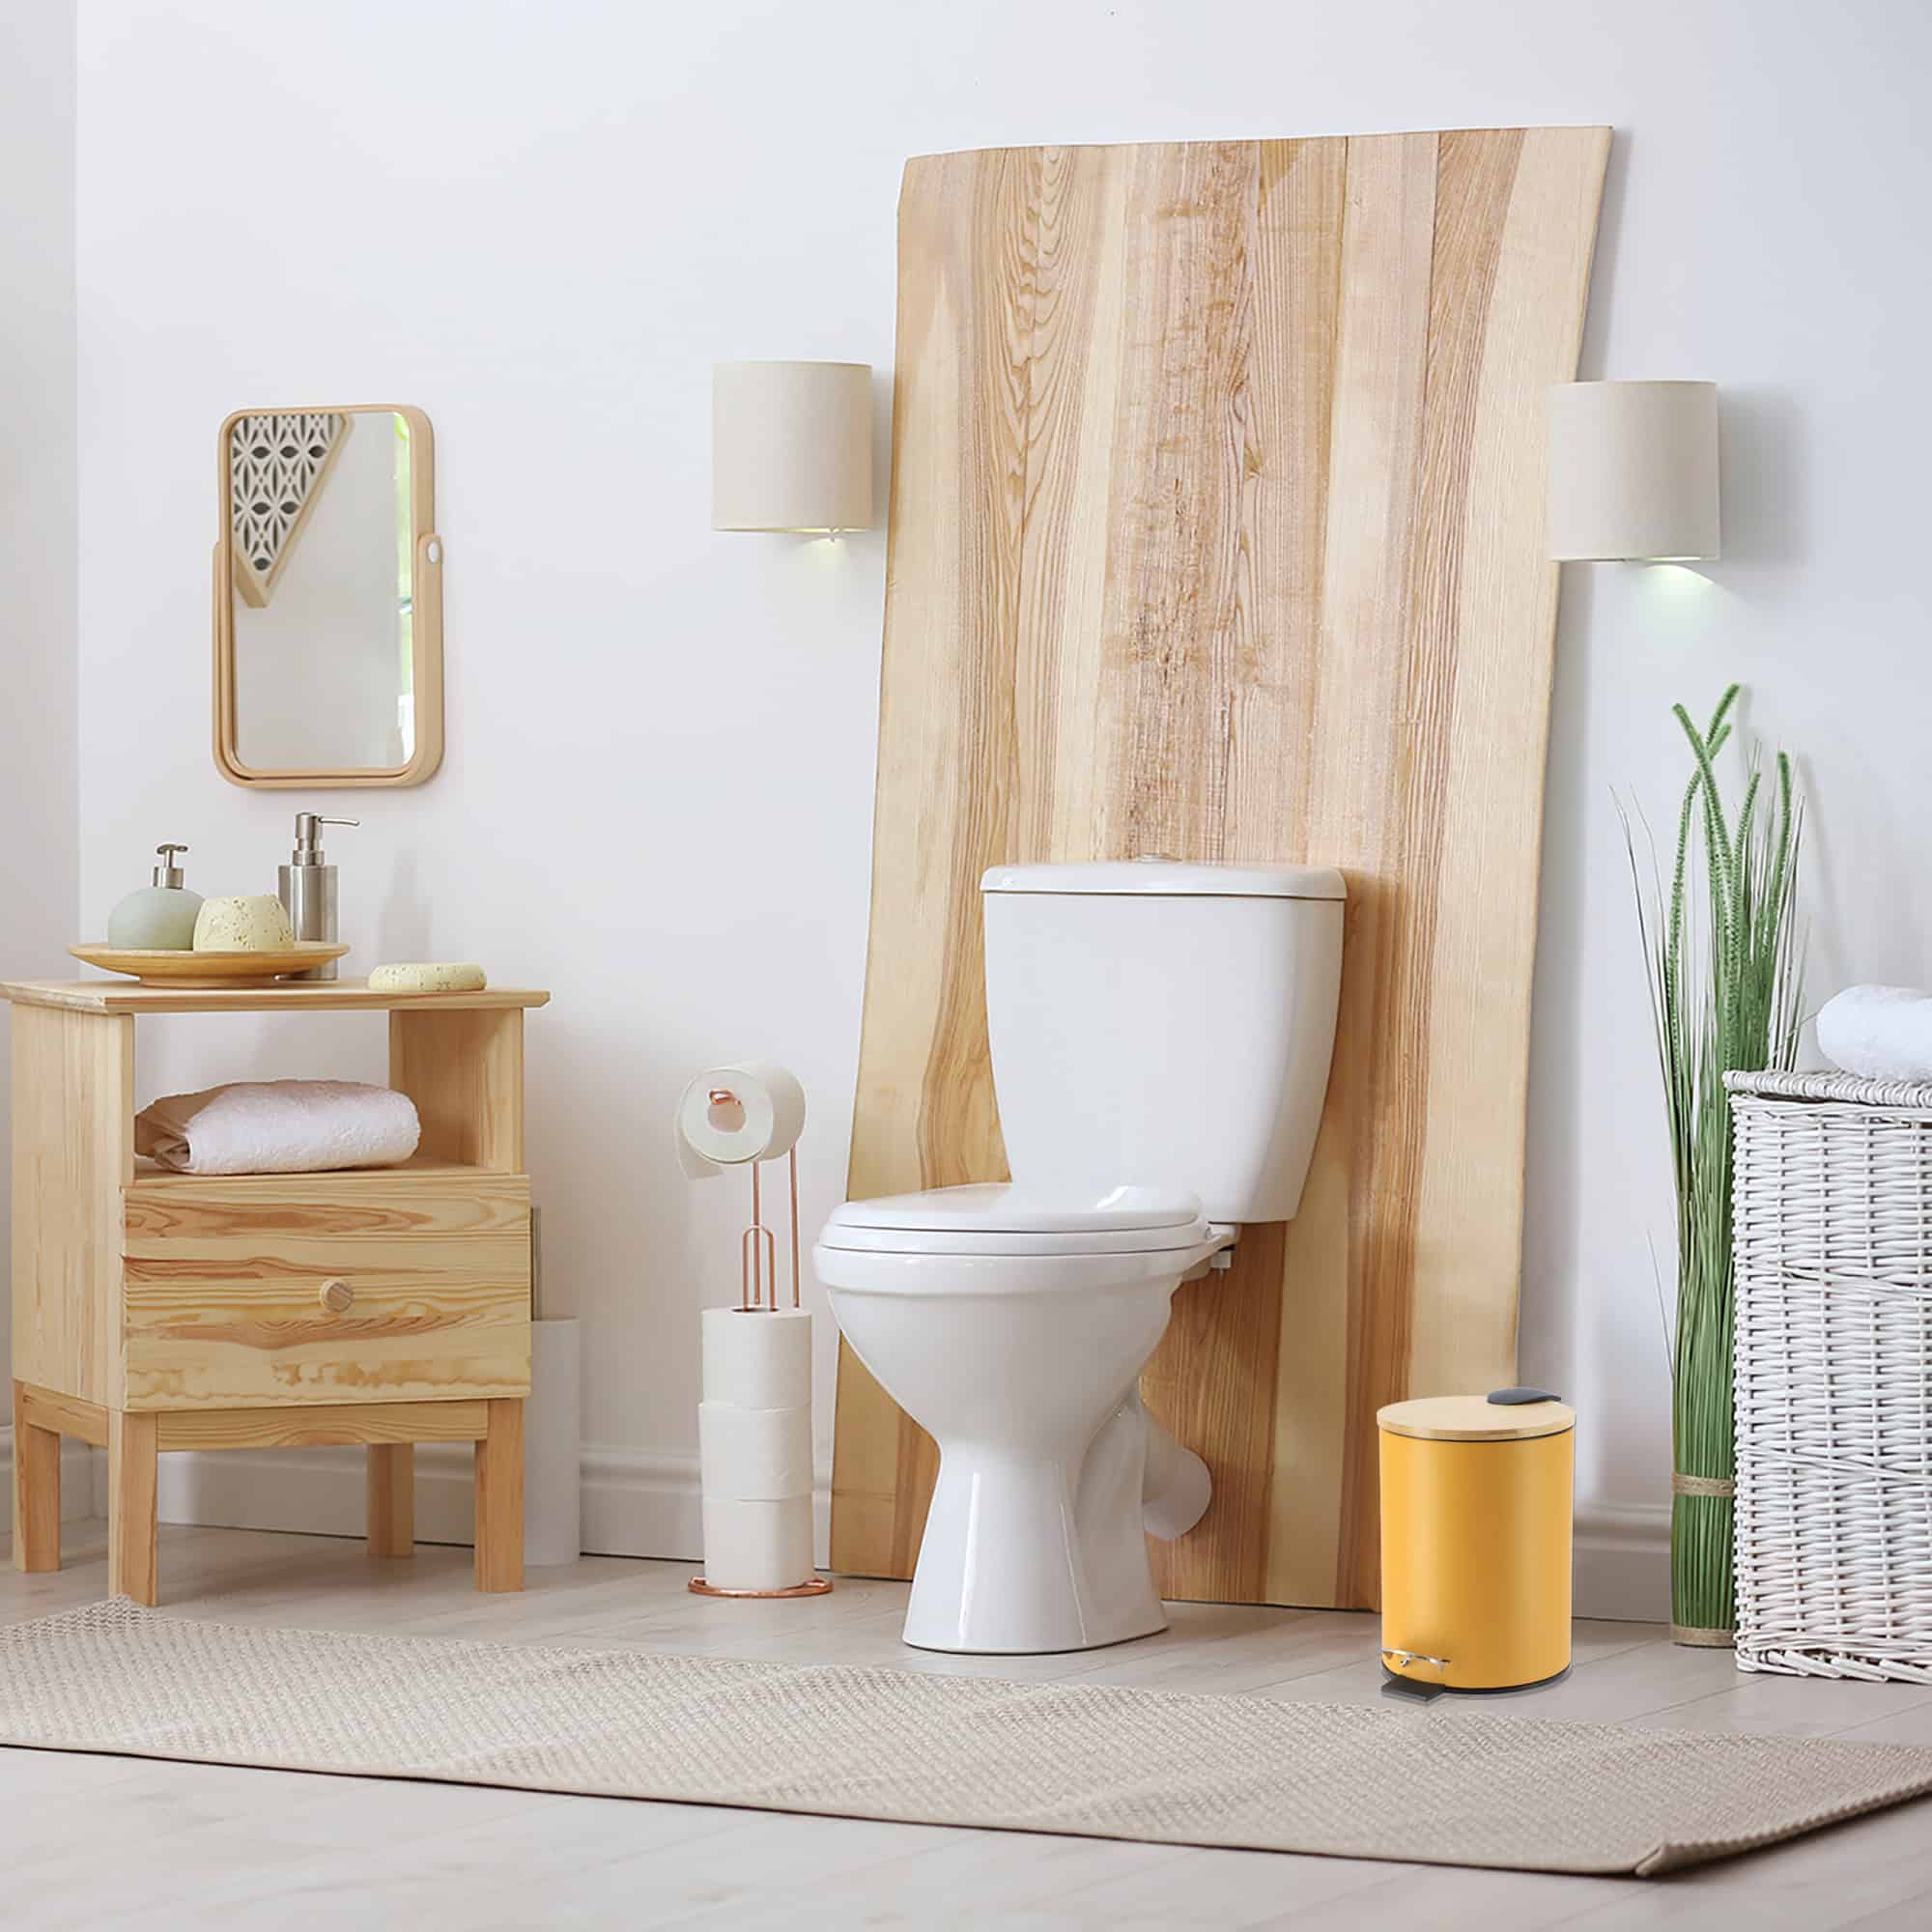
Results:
x,y
1162,1035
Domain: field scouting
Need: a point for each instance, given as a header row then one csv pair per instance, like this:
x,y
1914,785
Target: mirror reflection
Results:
x,y
323,544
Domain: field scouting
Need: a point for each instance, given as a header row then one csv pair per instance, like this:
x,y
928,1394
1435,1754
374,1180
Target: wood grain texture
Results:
x,y
500,1499
35,1489
133,1529
379,1424
321,995
464,1072
1217,533
73,1150
393,1499
222,1276
64,1415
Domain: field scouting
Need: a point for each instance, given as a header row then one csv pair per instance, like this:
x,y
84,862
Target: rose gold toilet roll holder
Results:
x,y
759,1291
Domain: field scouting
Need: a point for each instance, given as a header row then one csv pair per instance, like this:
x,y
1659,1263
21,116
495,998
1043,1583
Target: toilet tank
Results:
x,y
1154,1023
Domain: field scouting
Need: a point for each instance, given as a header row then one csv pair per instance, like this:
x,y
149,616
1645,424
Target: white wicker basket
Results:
x,y
1834,1221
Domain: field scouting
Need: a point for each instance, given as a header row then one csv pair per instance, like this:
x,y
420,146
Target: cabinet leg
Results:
x,y
499,1499
132,1534
393,1499
36,1492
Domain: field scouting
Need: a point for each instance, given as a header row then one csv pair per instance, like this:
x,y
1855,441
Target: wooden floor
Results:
x,y
94,1841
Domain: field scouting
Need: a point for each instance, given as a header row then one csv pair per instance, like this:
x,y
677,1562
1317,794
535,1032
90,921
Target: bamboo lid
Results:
x,y
1475,1418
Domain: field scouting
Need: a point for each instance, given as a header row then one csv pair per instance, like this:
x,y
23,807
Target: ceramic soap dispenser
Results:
x,y
158,916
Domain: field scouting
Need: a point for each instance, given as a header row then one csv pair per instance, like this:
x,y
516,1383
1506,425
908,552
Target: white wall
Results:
x,y
39,846
543,224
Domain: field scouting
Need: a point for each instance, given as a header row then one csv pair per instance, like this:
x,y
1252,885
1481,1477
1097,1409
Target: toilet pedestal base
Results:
x,y
1024,1554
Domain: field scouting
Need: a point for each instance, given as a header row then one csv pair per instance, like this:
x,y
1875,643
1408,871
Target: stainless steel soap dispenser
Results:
x,y
307,887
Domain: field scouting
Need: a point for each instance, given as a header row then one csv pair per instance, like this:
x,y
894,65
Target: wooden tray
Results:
x,y
164,966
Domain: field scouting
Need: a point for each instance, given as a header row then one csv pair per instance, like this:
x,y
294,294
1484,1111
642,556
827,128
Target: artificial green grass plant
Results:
x,y
1726,994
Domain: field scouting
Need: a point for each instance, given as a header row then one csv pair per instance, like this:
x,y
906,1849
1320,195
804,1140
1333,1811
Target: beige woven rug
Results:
x,y
1364,1781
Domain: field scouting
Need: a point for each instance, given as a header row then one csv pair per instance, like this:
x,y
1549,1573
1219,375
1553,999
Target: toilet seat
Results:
x,y
1009,1218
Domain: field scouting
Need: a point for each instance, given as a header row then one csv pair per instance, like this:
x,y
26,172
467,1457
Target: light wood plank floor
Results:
x,y
92,1841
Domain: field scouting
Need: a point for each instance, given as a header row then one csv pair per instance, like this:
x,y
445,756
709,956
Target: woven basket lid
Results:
x,y
1477,1418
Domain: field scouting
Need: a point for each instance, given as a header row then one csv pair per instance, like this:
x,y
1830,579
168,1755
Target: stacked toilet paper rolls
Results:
x,y
755,1448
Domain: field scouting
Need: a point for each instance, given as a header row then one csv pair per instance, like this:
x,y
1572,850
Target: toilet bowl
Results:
x,y
1160,1036
1013,1327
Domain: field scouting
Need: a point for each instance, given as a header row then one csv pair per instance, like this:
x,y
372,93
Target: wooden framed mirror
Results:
x,y
328,599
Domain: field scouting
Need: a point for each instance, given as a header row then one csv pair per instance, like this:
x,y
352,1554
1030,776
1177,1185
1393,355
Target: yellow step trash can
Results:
x,y
1476,1521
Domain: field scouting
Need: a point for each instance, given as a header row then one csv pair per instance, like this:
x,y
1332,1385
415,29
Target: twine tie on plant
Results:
x,y
1682,1485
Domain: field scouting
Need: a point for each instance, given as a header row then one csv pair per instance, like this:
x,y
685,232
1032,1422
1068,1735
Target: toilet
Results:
x,y
1161,1034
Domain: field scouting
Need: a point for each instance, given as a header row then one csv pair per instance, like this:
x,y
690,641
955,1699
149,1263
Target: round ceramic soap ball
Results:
x,y
252,924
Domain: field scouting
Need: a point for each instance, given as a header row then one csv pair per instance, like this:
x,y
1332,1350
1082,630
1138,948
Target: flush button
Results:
x,y
1514,1398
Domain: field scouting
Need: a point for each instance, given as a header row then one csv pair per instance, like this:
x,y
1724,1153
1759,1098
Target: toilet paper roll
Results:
x,y
762,1120
761,1358
552,1438
753,1455
758,1546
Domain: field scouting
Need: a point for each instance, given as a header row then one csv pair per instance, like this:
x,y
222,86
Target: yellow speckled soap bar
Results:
x,y
427,979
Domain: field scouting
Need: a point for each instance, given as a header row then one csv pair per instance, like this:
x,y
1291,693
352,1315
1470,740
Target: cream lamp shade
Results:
x,y
792,446
1634,471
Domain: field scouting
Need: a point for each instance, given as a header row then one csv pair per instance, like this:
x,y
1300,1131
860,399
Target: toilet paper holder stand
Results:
x,y
758,1245
758,1292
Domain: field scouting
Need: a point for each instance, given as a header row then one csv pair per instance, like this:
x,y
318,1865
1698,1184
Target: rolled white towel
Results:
x,y
1879,1033
280,1127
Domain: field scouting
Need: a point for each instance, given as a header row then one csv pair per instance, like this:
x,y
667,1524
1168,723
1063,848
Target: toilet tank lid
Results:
x,y
1173,877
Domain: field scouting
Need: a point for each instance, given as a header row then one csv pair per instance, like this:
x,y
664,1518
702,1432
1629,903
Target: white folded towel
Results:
x,y
1880,1033
280,1127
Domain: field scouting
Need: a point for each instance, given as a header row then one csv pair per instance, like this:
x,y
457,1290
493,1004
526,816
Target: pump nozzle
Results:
x,y
308,836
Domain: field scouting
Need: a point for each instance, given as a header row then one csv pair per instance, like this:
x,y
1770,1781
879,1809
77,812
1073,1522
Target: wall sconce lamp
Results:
x,y
792,446
1634,471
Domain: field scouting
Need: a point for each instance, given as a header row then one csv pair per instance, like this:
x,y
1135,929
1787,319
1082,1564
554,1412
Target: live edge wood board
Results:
x,y
1217,533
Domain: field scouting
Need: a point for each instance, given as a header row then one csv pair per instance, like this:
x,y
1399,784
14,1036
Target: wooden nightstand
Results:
x,y
157,1310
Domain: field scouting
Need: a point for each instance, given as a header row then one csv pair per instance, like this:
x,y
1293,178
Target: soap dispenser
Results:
x,y
159,917
306,886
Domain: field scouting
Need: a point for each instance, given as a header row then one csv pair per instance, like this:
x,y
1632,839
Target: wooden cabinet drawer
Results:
x,y
406,1285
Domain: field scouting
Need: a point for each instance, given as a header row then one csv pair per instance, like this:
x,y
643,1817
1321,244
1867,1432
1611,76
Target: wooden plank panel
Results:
x,y
959,412
224,1280
464,1072
320,996
382,1424
73,1150
1217,533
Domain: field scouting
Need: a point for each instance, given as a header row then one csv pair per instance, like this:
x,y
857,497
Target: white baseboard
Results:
x,y
637,1503
76,1480
1623,1562
644,1502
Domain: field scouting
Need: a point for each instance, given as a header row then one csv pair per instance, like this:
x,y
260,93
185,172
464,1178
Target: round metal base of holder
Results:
x,y
812,1586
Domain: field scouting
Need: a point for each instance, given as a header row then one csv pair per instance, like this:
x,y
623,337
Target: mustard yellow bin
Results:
x,y
1476,1516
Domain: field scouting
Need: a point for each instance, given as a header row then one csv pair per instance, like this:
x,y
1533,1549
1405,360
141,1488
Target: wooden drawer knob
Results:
x,y
336,1296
